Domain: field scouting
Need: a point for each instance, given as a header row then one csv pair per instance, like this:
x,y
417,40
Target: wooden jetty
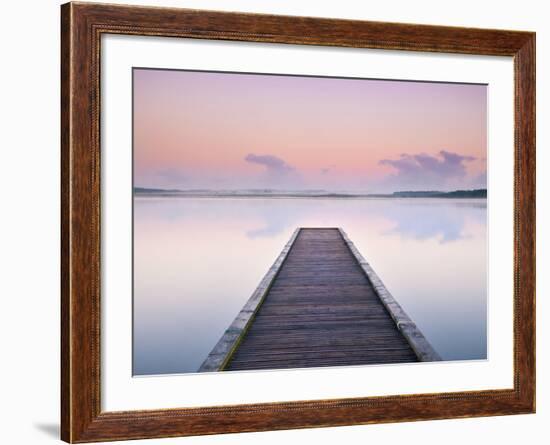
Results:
x,y
320,304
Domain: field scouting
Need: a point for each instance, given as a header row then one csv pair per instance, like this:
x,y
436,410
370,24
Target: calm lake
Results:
x,y
198,260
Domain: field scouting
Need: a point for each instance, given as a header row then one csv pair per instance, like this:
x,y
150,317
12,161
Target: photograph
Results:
x,y
282,218
285,221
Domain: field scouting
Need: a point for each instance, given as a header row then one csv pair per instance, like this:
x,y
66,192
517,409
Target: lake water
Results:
x,y
198,260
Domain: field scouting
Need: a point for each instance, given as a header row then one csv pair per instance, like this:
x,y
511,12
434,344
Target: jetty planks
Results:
x,y
324,306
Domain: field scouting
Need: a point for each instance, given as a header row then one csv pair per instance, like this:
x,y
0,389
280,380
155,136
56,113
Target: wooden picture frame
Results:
x,y
82,25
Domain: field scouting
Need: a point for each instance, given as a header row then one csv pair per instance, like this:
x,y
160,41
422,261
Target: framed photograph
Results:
x,y
274,222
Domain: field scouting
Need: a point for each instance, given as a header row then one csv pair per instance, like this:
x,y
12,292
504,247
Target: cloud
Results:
x,y
480,181
427,171
172,175
278,173
273,164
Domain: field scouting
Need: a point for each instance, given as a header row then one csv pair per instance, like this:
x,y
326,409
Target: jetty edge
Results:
x,y
382,311
422,348
223,350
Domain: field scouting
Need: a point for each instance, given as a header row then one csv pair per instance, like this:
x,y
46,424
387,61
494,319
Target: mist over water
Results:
x,y
198,260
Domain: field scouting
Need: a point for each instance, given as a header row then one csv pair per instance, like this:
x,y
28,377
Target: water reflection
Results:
x,y
426,220
420,220
197,260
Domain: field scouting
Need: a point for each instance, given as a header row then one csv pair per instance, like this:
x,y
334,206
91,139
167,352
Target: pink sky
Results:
x,y
234,131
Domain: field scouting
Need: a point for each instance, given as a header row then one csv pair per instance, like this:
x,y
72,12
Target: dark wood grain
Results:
x,y
321,310
82,27
66,356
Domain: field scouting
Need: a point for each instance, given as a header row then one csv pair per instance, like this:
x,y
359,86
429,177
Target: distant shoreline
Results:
x,y
456,194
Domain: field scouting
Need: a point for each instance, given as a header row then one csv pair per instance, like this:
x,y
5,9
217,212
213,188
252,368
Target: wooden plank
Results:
x,y
323,306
